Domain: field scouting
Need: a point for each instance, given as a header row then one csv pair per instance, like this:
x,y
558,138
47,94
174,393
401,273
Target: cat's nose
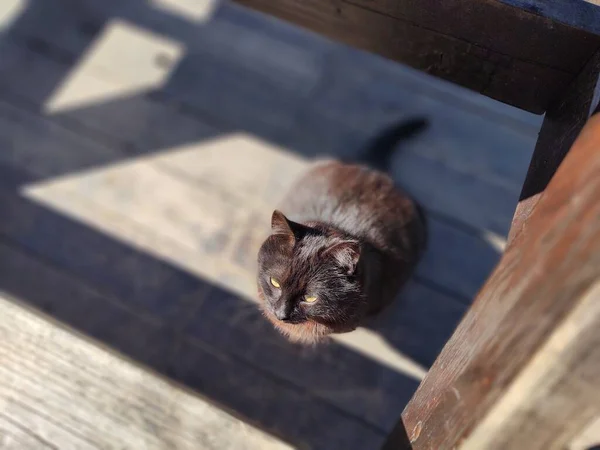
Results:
x,y
282,313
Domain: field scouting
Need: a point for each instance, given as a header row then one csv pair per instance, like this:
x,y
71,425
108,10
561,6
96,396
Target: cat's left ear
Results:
x,y
346,254
282,226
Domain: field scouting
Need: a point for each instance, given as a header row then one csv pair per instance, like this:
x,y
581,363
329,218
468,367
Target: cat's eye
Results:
x,y
275,283
310,298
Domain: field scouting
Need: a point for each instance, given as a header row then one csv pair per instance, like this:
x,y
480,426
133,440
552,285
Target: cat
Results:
x,y
349,241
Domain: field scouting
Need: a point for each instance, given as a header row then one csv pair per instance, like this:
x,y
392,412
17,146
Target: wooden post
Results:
x,y
563,122
522,370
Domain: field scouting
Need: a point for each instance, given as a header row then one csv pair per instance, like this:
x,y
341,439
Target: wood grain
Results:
x,y
557,394
75,215
164,291
466,143
466,58
589,438
148,193
91,399
163,344
135,217
527,83
538,283
503,27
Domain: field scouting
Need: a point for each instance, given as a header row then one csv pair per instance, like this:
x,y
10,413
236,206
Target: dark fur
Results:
x,y
352,239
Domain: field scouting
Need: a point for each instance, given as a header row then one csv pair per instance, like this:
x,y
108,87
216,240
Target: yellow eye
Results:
x,y
310,299
275,283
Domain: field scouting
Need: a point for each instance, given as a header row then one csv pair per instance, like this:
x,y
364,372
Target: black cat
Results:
x,y
349,242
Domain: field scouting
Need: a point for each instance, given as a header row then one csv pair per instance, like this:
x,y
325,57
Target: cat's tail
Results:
x,y
379,152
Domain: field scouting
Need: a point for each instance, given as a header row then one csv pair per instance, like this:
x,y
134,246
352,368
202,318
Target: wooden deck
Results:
x,y
143,146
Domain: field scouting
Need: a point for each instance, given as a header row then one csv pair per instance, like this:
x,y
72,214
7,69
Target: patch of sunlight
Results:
x,y
194,10
496,241
193,205
238,165
372,345
139,61
203,208
10,10
589,437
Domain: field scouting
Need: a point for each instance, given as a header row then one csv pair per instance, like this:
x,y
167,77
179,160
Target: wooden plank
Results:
x,y
505,27
151,412
217,45
562,124
461,148
557,394
116,200
106,199
217,216
74,25
359,97
542,279
97,400
344,379
297,51
151,287
513,79
13,436
589,438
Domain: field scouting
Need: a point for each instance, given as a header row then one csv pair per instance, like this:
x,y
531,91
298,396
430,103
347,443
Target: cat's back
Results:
x,y
363,202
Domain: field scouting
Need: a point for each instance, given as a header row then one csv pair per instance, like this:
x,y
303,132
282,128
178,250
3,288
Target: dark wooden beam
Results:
x,y
562,124
532,329
514,51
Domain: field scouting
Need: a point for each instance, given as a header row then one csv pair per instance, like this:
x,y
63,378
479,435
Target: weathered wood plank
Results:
x,y
217,216
589,439
557,394
345,379
462,147
505,27
105,199
540,281
14,436
99,400
108,202
75,26
149,286
158,342
460,150
502,76
297,69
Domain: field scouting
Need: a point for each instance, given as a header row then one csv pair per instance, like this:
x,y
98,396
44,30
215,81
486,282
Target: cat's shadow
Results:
x,y
418,324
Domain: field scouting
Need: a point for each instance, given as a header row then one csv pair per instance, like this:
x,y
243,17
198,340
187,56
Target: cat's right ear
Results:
x,y
346,254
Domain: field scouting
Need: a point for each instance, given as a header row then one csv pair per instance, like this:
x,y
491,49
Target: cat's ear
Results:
x,y
282,226
346,254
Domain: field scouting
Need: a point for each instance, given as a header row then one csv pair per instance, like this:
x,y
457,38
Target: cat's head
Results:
x,y
309,280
